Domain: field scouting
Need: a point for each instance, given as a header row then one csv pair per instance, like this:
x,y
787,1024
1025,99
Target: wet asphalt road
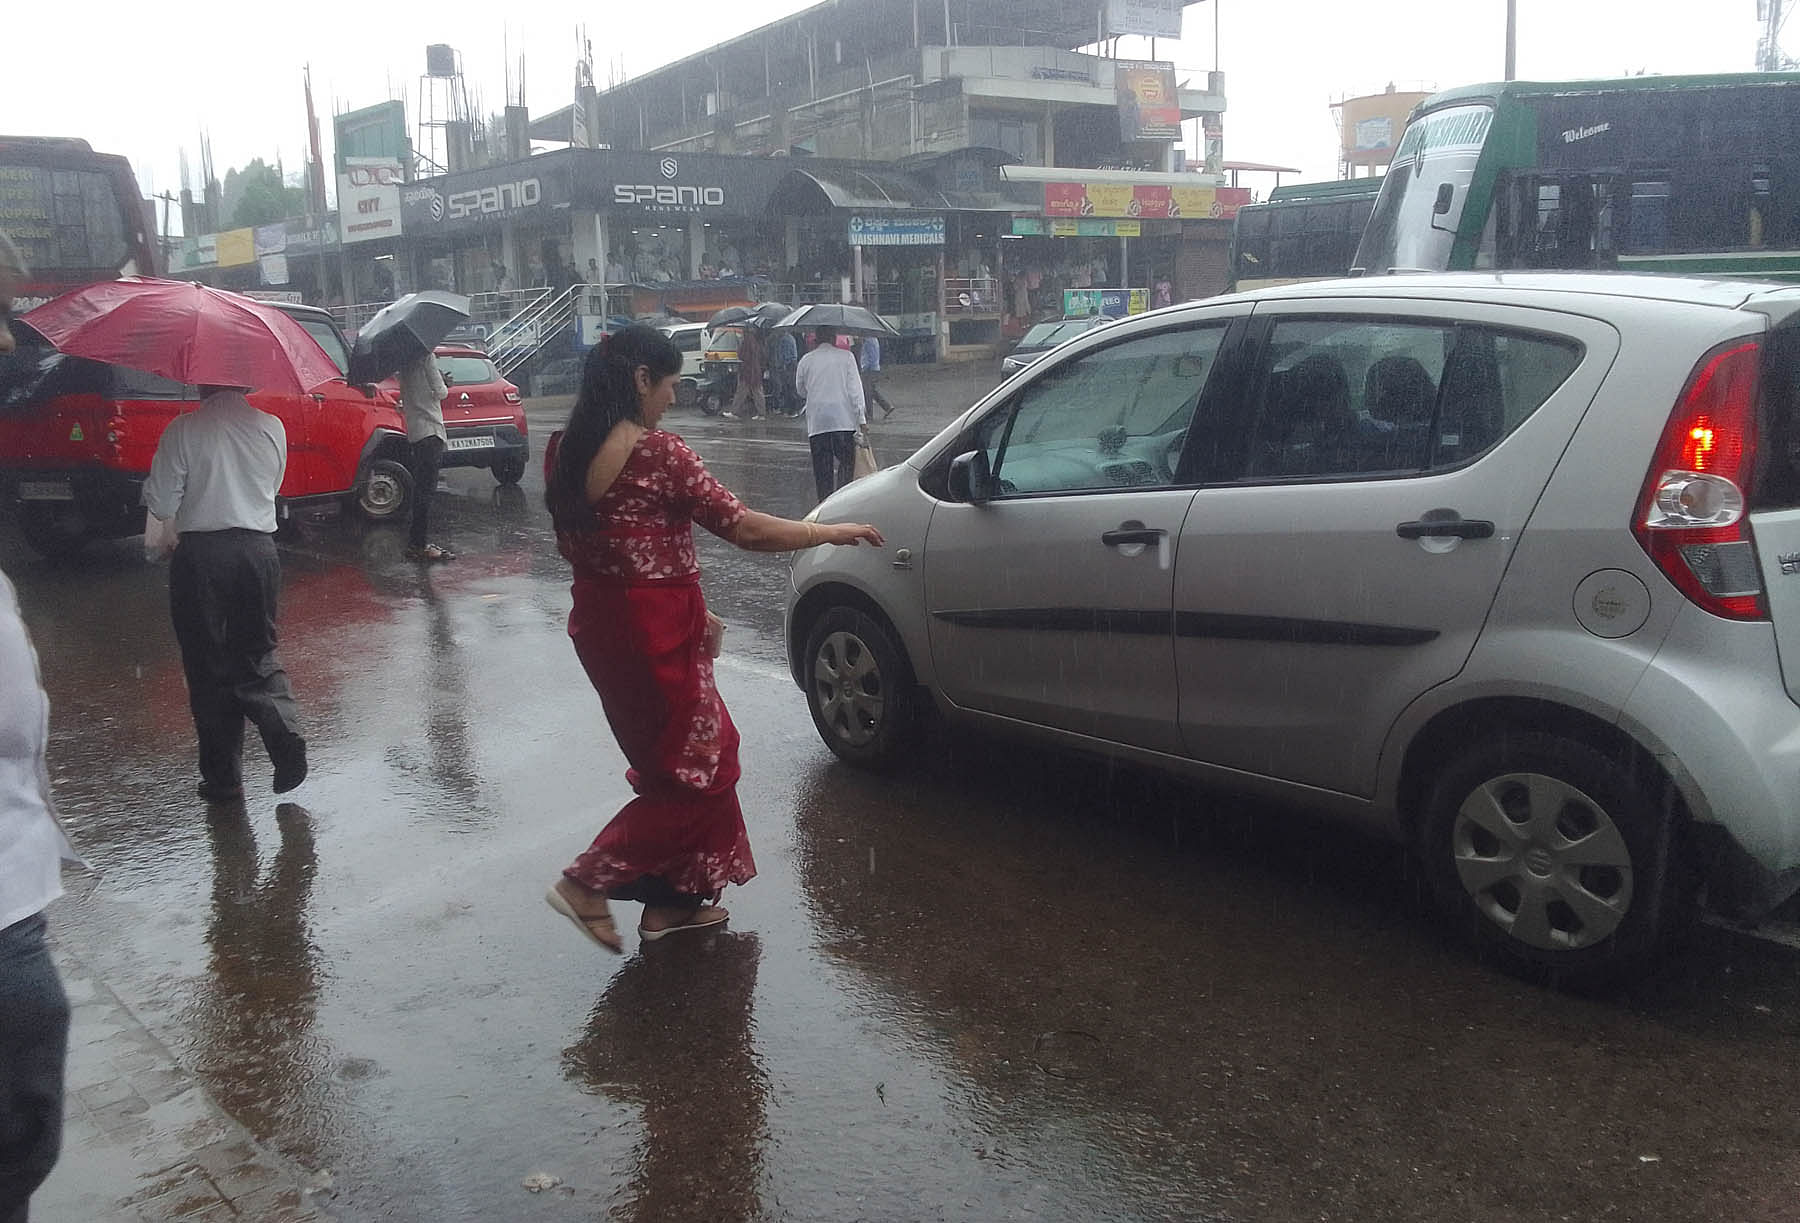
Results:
x,y
1008,985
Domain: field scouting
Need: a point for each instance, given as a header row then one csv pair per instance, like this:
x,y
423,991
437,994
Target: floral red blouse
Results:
x,y
643,525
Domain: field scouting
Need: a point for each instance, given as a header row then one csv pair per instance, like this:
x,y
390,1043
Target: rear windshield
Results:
x,y
467,371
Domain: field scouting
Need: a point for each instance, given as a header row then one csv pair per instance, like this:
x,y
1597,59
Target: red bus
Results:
x,y
75,215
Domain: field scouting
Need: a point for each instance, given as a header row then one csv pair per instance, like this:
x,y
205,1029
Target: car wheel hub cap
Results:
x,y
848,689
1542,861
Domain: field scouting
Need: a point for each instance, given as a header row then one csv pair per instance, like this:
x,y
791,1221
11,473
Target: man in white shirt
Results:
x,y
215,475
34,1010
830,382
422,392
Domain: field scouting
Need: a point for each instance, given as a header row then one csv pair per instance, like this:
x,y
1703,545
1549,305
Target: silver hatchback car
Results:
x,y
1506,566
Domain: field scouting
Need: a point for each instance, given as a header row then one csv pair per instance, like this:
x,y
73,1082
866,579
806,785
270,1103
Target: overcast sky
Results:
x,y
146,86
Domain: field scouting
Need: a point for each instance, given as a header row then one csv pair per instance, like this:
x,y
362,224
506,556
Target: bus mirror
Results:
x,y
1440,207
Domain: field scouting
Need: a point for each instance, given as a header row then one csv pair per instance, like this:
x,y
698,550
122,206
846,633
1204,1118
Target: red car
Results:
x,y
483,414
74,463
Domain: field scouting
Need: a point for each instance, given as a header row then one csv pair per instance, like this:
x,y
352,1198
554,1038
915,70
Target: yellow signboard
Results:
x,y
1128,229
1064,229
1110,199
237,247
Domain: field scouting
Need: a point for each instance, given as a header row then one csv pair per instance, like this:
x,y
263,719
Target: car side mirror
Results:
x,y
971,479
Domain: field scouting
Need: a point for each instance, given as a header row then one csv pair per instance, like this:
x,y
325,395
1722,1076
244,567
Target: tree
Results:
x,y
255,195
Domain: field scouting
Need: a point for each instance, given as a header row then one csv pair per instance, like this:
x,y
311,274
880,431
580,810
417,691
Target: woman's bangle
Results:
x,y
812,535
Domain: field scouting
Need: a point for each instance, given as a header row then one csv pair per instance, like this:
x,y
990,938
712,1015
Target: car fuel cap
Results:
x,y
1612,603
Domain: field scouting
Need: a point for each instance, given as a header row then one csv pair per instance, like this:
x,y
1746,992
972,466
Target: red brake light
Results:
x,y
1690,517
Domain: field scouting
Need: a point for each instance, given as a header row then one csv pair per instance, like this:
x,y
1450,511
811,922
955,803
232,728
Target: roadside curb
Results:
x,y
142,1139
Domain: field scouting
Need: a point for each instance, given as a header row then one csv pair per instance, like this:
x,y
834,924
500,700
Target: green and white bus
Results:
x,y
1693,174
1303,231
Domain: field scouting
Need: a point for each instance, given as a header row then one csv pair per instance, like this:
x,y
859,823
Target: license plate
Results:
x,y
471,443
45,490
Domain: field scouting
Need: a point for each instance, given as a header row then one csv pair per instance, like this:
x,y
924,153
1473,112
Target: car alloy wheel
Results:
x,y
848,689
1542,861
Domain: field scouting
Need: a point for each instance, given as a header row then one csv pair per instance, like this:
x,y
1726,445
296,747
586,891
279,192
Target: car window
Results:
x,y
1366,397
1115,417
467,371
686,341
135,384
329,340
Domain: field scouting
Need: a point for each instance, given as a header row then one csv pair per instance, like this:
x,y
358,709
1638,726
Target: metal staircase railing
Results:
x,y
515,341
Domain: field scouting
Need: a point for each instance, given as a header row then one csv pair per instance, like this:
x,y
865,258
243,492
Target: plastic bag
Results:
x,y
159,538
865,464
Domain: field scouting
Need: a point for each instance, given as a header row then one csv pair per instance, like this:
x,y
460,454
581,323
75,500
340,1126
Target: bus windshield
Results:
x,y
74,214
1414,225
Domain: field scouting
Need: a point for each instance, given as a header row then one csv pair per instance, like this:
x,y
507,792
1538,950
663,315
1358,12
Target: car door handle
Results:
x,y
1132,535
1446,528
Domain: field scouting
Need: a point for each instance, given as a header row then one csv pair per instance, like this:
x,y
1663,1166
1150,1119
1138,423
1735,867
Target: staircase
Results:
x,y
518,339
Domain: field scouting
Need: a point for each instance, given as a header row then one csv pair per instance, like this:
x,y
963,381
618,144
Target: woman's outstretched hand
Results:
x,y
851,533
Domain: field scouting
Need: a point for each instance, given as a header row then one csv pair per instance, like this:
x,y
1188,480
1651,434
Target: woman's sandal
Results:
x,y
597,926
704,917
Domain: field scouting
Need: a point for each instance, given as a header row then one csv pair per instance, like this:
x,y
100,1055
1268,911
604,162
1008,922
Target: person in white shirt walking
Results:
x,y
830,382
215,475
422,393
34,1009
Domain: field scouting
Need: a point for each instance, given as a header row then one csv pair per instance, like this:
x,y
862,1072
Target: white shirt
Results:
x,y
218,467
830,382
31,843
422,392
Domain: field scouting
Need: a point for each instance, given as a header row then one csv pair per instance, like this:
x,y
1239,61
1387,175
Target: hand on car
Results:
x,y
851,533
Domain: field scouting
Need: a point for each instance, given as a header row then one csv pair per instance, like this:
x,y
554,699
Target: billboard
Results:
x,y
369,199
1143,201
235,247
897,231
374,131
1145,18
1149,107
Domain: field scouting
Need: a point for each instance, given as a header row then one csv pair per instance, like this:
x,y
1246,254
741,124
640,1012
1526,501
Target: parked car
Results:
x,y
690,338
483,414
1042,337
73,464
1506,568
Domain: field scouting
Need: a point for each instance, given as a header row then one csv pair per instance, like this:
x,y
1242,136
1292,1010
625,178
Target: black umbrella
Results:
x,y
849,320
731,316
403,330
769,314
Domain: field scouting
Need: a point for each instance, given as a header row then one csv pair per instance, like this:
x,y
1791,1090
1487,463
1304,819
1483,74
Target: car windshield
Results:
x,y
466,371
1049,335
329,340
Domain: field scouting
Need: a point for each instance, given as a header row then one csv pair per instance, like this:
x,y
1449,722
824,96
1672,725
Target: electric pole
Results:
x,y
1770,11
1512,39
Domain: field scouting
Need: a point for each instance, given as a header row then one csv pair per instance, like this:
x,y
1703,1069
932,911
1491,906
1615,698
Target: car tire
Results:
x,y
860,689
53,530
1560,858
384,491
509,470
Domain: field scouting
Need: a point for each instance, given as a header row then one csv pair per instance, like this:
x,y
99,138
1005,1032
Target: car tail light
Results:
x,y
1690,518
512,396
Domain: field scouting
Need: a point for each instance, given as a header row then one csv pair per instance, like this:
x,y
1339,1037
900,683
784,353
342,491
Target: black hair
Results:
x,y
826,335
608,395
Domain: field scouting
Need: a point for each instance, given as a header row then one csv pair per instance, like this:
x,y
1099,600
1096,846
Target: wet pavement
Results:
x,y
1005,985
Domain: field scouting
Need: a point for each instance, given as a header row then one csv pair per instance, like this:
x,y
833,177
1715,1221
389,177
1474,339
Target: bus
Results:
x,y
1691,174
1303,231
75,215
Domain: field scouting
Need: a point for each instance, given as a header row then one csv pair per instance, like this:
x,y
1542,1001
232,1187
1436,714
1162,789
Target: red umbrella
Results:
x,y
185,332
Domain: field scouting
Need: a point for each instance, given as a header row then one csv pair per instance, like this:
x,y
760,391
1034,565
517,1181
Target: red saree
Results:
x,y
639,629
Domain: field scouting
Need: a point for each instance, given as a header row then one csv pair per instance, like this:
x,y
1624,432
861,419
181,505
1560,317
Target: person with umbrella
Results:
x,y
400,338
750,375
214,478
422,393
214,481
830,383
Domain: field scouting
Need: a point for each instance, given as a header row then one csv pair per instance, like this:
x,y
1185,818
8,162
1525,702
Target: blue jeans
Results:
x,y
34,1043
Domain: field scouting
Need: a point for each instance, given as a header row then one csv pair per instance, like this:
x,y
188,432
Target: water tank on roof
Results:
x,y
440,60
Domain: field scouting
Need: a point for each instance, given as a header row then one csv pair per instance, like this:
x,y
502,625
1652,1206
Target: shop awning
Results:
x,y
872,189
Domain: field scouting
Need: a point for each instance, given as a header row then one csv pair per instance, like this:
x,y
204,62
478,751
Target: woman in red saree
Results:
x,y
624,496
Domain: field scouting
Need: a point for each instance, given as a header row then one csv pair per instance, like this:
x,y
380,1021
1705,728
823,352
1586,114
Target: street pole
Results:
x,y
1512,39
1771,48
